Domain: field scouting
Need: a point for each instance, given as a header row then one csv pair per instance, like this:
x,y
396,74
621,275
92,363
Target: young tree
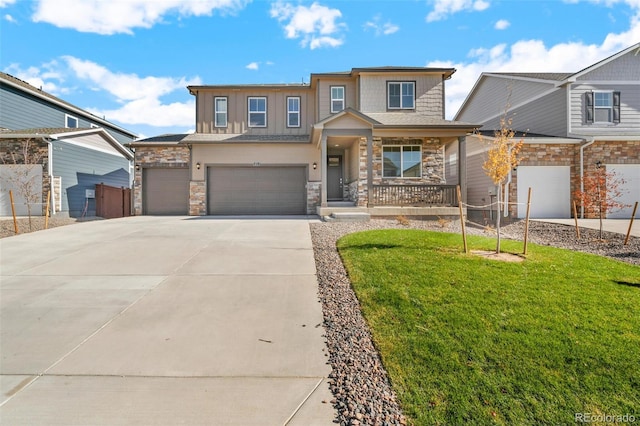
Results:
x,y
28,155
600,193
501,158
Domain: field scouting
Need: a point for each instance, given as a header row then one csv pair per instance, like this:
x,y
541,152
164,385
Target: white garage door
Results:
x,y
550,191
630,173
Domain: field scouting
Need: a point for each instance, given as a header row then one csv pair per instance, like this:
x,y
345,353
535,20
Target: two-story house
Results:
x,y
571,122
369,139
75,150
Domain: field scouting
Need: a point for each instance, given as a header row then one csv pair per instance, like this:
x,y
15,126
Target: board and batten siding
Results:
x,y
324,95
629,109
429,89
81,168
494,94
20,110
237,111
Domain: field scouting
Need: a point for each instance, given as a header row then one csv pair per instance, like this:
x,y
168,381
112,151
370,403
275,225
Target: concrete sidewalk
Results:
x,y
164,321
619,226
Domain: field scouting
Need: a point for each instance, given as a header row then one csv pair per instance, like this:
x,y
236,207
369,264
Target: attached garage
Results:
x,y
551,191
259,190
165,191
630,173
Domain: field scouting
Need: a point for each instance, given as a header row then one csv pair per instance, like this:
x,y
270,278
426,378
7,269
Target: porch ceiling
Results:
x,y
341,142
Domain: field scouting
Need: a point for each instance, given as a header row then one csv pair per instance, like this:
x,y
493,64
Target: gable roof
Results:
x,y
60,133
25,87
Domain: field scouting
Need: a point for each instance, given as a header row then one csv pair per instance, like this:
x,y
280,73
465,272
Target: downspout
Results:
x,y
589,142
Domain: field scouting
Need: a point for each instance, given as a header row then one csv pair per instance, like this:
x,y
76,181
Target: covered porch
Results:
x,y
381,170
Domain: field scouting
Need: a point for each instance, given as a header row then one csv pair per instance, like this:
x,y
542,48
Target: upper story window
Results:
x,y
293,111
602,107
258,111
402,161
401,94
70,121
337,98
220,111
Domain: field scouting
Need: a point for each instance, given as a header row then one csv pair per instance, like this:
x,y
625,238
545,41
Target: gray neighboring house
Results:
x,y
572,122
75,148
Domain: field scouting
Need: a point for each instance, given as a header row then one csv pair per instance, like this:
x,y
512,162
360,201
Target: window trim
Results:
x,y
216,112
331,98
590,107
298,112
401,162
249,112
66,121
401,83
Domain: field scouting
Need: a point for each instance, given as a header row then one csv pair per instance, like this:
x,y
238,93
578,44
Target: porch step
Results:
x,y
348,217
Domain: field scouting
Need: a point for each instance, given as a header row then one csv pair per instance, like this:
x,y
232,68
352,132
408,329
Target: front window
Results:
x,y
337,98
70,122
401,95
402,161
258,112
293,112
220,112
603,106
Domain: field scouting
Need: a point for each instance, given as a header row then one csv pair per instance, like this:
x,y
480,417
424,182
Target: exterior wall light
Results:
x,y
137,167
315,166
198,166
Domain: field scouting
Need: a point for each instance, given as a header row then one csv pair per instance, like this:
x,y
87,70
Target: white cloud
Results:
x,y
9,18
502,24
253,66
111,17
316,25
381,29
442,8
531,56
5,3
137,99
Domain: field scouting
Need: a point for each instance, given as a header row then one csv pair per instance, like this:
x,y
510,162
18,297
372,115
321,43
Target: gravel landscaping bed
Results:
x,y
358,381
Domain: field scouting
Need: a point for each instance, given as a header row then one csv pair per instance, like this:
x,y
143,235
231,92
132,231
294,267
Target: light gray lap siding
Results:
x,y
629,108
82,168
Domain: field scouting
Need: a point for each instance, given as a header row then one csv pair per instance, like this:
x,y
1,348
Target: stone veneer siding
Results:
x,y
313,196
37,150
432,164
607,152
197,198
153,157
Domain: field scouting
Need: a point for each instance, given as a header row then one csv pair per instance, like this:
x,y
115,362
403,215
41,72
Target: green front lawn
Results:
x,y
473,341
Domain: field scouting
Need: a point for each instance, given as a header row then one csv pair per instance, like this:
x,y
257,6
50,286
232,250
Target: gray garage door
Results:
x,y
267,190
165,191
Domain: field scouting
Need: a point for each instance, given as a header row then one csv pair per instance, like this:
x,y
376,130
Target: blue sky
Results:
x,y
130,60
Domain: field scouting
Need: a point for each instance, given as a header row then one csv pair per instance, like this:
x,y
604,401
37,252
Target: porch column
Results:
x,y
323,170
462,166
369,168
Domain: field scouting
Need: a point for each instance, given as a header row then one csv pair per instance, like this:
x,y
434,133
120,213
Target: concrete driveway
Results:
x,y
163,321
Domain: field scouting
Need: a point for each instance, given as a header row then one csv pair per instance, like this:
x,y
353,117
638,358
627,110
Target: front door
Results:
x,y
334,177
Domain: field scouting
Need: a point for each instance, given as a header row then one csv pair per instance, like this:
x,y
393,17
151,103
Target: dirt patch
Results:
x,y
503,257
7,228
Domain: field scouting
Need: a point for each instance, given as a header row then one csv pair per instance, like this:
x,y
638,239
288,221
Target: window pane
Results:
x,y
603,99
407,95
603,115
257,119
394,95
337,106
72,122
294,119
294,104
411,161
221,112
391,161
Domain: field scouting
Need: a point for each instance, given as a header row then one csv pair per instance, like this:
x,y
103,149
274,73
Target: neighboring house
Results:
x,y
68,163
571,123
369,139
78,148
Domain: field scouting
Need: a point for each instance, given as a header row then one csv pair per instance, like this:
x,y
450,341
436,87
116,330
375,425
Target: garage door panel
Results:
x,y
630,173
551,191
240,190
165,191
